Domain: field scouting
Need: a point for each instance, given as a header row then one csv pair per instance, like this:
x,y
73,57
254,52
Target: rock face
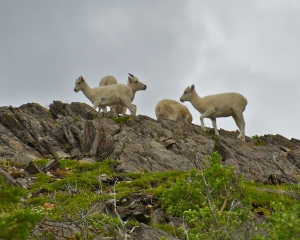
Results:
x,y
141,144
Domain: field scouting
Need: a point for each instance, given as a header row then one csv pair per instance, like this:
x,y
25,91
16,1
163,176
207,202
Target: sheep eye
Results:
x,y
78,83
136,81
185,92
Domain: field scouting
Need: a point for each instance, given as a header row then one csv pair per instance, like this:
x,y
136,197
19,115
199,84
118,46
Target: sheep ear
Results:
x,y
129,79
130,75
81,79
193,87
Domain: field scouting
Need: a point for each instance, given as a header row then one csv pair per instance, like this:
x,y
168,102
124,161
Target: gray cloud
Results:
x,y
248,47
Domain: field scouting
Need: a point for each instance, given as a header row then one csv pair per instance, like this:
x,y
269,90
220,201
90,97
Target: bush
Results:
x,y
15,223
209,202
258,141
284,223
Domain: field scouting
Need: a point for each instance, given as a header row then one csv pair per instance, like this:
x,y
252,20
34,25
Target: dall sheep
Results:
x,y
132,82
219,105
173,110
107,95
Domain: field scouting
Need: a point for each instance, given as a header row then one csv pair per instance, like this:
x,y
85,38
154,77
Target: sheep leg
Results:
x,y
207,114
214,123
124,110
236,121
95,105
202,123
113,110
240,122
103,110
118,109
129,105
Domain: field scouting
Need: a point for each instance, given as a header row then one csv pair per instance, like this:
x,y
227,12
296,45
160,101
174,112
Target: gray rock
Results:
x,y
145,232
32,168
9,180
141,144
158,216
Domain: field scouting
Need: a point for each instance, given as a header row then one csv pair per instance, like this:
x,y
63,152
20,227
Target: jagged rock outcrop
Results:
x,y
77,131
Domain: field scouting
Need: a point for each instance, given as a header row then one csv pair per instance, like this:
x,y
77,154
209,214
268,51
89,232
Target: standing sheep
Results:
x,y
219,105
106,96
133,83
172,110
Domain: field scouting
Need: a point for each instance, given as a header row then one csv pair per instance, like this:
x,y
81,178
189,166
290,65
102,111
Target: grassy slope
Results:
x,y
75,189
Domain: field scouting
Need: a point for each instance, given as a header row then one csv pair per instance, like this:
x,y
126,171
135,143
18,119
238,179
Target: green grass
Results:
x,y
76,188
264,199
65,203
151,183
258,141
8,164
121,120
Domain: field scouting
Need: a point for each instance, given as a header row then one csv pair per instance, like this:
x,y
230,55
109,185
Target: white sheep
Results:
x,y
107,95
173,110
107,80
132,82
219,105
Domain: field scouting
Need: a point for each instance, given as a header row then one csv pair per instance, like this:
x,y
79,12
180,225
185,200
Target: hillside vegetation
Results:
x,y
81,200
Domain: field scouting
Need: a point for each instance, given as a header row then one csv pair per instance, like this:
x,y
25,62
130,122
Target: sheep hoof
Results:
x,y
241,137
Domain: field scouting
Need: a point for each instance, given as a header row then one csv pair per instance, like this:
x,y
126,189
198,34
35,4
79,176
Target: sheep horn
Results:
x,y
130,75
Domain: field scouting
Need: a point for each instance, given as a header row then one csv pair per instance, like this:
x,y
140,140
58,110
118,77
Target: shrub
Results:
x,y
15,223
121,120
258,141
209,202
284,223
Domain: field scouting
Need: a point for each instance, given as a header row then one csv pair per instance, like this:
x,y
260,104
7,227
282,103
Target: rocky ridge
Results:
x,y
77,131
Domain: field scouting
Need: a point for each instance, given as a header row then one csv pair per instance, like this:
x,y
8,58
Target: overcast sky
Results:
x,y
250,47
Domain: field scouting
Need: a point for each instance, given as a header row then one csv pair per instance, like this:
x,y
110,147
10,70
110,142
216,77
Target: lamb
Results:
x,y
173,110
107,95
132,82
219,105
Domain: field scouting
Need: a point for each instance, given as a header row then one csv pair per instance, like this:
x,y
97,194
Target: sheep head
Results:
x,y
135,84
187,94
79,83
